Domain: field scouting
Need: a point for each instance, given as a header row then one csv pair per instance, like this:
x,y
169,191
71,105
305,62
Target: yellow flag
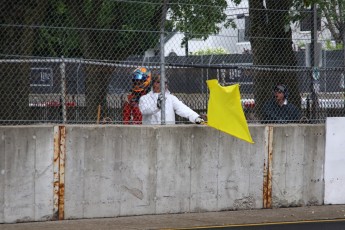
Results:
x,y
225,111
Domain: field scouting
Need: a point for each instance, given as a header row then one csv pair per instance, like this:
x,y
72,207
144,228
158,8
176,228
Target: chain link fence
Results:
x,y
72,62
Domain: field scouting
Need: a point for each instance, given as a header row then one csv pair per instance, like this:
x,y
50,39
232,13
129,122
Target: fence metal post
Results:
x,y
313,60
63,90
78,92
343,74
162,60
343,42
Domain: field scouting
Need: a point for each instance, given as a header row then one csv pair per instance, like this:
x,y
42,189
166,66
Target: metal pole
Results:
x,y
78,94
63,90
344,57
162,64
344,41
313,60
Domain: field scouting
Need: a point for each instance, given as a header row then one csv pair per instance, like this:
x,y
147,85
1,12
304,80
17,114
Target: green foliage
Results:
x,y
333,12
52,40
330,46
106,14
299,9
301,44
210,51
88,28
199,19
95,28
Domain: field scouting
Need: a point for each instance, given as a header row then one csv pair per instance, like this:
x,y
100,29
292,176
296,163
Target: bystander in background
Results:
x,y
278,109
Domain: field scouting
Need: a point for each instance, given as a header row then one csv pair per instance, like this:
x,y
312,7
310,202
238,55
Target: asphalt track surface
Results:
x,y
338,224
325,217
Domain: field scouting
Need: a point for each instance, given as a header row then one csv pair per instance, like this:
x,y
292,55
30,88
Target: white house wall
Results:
x,y
228,38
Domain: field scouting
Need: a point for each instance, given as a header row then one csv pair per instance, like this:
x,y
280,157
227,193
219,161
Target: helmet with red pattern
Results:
x,y
141,79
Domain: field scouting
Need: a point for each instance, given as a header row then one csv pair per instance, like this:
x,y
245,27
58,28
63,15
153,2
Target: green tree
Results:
x,y
334,12
17,39
114,30
270,37
103,30
141,22
56,37
198,19
271,42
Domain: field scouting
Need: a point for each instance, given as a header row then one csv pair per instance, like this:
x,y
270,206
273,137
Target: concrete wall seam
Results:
x,y
267,183
59,171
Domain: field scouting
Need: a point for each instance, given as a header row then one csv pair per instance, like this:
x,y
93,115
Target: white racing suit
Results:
x,y
152,114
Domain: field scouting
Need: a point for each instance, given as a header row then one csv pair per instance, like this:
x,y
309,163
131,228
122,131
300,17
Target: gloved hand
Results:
x,y
199,120
159,100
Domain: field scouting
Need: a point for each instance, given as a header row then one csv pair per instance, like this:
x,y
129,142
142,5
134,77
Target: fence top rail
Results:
x,y
132,64
69,60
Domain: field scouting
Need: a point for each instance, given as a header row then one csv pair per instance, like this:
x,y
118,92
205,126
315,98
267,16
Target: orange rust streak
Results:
x,y
56,172
62,172
269,172
267,182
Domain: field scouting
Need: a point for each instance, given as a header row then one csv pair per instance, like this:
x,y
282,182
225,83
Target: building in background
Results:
x,y
236,41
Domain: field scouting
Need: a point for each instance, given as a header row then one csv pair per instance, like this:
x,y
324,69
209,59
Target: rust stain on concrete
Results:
x,y
59,172
267,183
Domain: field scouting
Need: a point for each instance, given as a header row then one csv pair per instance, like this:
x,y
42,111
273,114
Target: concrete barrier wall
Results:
x,y
298,163
26,174
132,170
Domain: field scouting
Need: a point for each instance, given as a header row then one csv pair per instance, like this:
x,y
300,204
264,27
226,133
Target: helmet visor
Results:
x,y
139,76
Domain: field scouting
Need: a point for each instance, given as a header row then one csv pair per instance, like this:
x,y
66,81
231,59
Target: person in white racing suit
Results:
x,y
150,106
